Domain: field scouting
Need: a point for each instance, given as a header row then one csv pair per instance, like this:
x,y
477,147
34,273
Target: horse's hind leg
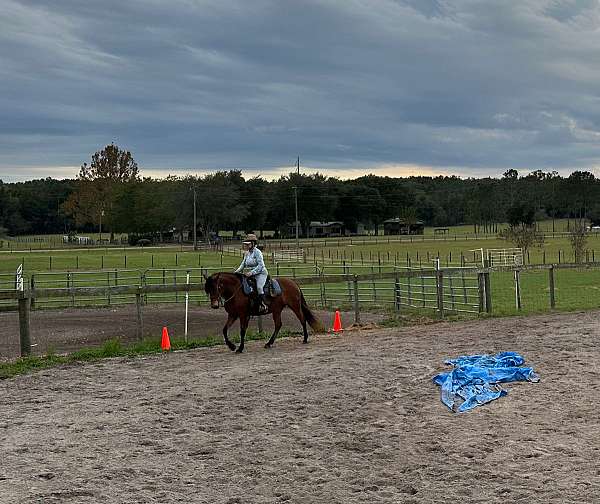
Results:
x,y
297,309
277,322
230,320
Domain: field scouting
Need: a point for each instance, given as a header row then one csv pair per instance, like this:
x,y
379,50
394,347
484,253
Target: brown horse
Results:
x,y
227,287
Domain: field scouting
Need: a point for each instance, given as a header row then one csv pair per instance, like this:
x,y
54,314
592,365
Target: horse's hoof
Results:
x,y
268,345
231,347
305,342
239,350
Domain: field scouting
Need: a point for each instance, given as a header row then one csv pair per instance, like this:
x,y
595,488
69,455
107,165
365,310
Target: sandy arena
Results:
x,y
345,419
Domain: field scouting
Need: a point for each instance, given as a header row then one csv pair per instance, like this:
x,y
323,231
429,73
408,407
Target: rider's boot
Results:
x,y
262,307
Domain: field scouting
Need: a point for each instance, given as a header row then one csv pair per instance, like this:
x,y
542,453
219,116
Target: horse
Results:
x,y
228,288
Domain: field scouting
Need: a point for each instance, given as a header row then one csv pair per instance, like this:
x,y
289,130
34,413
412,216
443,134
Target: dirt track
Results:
x,y
344,419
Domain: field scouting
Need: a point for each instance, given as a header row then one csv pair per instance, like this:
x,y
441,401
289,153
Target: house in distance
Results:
x,y
399,226
326,229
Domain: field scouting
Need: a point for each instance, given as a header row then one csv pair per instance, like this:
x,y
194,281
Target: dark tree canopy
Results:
x,y
109,188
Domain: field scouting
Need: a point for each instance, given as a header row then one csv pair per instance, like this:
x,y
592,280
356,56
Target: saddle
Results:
x,y
272,288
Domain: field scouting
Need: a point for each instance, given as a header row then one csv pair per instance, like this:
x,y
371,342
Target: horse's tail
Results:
x,y
313,321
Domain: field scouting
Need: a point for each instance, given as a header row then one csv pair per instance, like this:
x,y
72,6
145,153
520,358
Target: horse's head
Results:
x,y
211,287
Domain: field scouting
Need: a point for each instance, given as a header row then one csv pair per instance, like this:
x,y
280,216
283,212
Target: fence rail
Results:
x,y
356,289
444,290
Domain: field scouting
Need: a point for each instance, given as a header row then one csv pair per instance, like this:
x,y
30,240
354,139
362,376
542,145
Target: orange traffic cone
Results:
x,y
337,322
165,343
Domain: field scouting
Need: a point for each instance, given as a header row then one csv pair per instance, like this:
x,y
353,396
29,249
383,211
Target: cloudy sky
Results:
x,y
352,86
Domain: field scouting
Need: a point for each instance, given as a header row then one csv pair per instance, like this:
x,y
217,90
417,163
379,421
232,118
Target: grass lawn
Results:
x,y
163,265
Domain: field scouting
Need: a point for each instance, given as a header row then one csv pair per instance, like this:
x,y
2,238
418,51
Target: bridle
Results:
x,y
221,298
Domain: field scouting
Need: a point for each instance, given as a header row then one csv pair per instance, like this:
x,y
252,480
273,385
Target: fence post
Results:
x,y
32,286
518,289
350,291
481,291
452,302
439,278
108,287
551,281
24,328
488,292
175,284
397,294
356,302
140,320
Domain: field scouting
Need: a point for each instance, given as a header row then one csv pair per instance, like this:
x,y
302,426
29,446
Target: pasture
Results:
x,y
575,289
351,418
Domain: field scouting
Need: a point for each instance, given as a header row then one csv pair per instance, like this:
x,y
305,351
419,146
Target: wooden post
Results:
x,y
439,277
488,292
24,329
175,283
551,282
140,320
323,295
481,291
350,291
32,286
452,304
108,285
518,289
71,283
397,294
356,302
374,286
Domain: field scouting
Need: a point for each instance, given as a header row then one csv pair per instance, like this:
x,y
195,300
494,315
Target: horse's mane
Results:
x,y
210,281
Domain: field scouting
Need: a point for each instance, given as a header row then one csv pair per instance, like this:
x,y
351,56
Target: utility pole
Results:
x,y
195,240
101,214
296,204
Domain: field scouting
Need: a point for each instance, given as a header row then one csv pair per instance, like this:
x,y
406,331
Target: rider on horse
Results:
x,y
253,258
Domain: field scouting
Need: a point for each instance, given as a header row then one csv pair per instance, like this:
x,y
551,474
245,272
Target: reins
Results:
x,y
225,301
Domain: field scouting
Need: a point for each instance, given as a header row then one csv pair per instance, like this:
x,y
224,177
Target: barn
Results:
x,y
398,226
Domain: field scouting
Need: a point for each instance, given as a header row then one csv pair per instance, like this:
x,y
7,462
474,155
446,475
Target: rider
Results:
x,y
253,258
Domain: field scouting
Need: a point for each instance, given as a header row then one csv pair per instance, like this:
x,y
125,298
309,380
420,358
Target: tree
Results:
x,y
256,191
219,204
578,238
521,229
99,184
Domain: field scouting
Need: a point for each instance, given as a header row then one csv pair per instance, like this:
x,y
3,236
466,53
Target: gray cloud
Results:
x,y
477,86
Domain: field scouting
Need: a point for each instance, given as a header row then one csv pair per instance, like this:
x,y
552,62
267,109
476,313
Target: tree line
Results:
x,y
110,191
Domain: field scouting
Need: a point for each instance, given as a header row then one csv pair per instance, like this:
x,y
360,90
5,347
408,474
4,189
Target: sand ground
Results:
x,y
345,419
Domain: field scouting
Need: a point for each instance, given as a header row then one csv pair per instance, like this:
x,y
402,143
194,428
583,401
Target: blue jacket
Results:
x,y
253,259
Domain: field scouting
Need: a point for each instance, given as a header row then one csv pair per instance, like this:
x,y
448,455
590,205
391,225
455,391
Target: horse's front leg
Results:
x,y
277,323
230,321
243,326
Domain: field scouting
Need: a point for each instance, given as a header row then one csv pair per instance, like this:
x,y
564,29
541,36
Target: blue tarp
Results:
x,y
475,378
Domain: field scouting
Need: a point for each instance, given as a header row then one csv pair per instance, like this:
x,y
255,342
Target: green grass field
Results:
x,y
575,289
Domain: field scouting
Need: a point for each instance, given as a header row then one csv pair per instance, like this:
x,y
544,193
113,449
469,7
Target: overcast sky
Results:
x,y
352,86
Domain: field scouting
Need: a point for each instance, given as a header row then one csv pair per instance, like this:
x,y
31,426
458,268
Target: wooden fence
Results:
x,y
361,289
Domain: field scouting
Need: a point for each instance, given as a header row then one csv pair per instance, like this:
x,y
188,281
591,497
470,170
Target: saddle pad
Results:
x,y
247,286
275,288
